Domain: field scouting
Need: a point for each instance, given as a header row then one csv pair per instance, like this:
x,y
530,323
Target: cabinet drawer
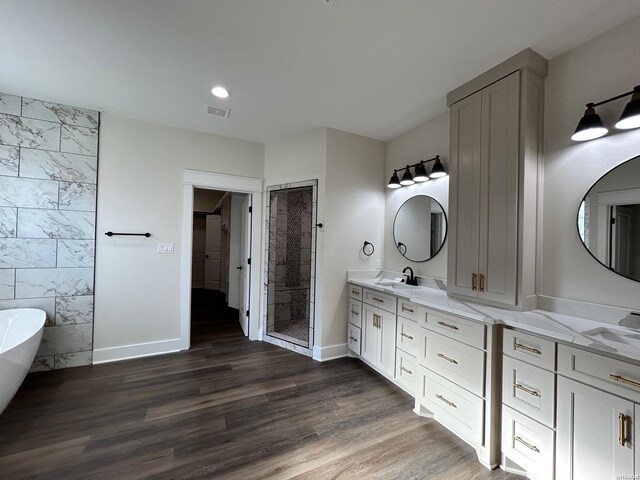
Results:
x,y
529,389
408,309
466,331
407,336
380,300
528,443
460,363
458,409
355,312
608,374
354,335
355,292
406,373
529,348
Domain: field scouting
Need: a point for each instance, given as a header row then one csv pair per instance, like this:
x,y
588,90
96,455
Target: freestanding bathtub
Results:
x,y
20,335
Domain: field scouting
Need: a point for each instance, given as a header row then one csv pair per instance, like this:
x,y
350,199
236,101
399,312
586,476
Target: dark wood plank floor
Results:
x,y
228,408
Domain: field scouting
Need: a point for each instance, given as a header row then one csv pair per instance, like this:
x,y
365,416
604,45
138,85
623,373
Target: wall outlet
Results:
x,y
379,264
165,247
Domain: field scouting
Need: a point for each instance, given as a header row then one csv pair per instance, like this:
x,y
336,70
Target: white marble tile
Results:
x,y
56,224
7,279
77,196
66,339
74,310
41,364
66,167
55,112
53,282
8,221
10,104
78,359
79,140
76,253
46,304
26,132
27,253
9,160
28,193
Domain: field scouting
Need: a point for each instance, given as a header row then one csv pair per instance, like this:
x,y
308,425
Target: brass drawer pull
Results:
x,y
621,379
448,325
406,370
448,402
407,309
529,349
526,444
355,292
407,336
448,359
377,299
353,312
622,437
525,389
474,283
353,339
481,282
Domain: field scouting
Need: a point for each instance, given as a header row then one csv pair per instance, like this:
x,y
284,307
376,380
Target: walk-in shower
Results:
x,y
290,264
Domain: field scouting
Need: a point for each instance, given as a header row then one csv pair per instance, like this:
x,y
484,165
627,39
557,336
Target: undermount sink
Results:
x,y
614,335
396,285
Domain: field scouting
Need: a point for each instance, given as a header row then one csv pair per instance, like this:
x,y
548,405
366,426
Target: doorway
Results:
x,y
217,246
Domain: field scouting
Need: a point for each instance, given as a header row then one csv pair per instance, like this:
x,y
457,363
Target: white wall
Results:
x,y
354,212
141,190
425,141
596,70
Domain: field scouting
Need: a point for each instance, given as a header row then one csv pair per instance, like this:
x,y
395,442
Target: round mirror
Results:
x,y
609,219
420,228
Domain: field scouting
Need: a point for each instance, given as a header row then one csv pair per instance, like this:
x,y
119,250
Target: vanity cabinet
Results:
x,y
496,152
354,317
379,339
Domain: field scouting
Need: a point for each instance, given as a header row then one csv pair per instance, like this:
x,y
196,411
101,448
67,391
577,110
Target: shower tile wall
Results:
x,y
48,181
289,266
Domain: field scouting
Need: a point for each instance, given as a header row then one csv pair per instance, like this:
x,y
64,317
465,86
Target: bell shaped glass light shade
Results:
x,y
420,173
438,170
407,178
589,127
630,117
395,181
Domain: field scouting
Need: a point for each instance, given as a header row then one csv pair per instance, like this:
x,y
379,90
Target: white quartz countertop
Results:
x,y
601,337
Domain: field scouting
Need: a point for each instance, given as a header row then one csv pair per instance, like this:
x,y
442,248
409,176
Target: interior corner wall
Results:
x,y
423,142
354,212
137,290
297,159
593,71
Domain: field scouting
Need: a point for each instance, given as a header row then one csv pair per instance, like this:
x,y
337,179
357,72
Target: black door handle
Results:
x,y
239,268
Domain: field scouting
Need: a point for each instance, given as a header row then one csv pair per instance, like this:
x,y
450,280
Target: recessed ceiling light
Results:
x,y
220,92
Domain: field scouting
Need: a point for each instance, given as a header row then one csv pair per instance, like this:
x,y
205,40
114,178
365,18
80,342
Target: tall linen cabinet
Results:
x,y
495,164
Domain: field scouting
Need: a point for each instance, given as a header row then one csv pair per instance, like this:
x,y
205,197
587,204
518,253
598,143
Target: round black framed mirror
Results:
x,y
420,228
609,219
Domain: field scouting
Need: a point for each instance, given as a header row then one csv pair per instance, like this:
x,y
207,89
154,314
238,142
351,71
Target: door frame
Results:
x,y
193,179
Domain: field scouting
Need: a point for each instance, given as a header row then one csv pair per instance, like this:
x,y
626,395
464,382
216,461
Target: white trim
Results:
x,y
230,183
619,197
138,350
323,354
604,201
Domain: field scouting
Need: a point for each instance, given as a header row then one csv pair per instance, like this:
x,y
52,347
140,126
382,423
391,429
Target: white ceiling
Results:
x,y
373,67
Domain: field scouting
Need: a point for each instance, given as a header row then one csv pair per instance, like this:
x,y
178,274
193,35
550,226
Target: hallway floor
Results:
x,y
229,409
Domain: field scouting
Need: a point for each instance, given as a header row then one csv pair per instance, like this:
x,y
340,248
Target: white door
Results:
x,y
212,254
245,273
387,355
622,242
370,338
594,433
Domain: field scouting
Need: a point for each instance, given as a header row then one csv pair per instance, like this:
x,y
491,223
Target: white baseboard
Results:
x,y
322,354
126,352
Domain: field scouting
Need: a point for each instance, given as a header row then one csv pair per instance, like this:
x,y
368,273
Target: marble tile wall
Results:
x,y
48,182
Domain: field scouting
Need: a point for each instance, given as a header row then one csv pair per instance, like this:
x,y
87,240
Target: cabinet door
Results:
x,y
464,193
387,346
370,336
498,249
592,440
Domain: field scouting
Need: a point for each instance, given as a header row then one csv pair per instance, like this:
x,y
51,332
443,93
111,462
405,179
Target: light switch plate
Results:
x,y
165,247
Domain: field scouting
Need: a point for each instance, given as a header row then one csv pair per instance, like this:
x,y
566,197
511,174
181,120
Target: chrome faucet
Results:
x,y
411,280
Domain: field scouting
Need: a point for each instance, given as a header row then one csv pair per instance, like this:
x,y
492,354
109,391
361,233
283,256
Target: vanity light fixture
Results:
x,y
420,173
590,125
